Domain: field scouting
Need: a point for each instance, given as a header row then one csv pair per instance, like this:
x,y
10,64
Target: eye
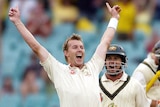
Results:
x,y
74,46
108,58
82,47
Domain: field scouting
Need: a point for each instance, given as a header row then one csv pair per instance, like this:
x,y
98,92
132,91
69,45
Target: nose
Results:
x,y
112,62
79,49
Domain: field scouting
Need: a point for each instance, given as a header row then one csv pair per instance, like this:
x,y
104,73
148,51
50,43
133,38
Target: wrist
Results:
x,y
113,23
18,23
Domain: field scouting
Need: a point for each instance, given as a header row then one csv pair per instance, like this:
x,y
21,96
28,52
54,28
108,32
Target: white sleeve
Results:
x,y
140,77
141,98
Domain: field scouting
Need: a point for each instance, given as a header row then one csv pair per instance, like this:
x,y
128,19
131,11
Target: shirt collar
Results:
x,y
84,70
84,67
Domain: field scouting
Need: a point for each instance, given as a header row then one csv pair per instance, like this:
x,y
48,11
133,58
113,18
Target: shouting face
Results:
x,y
75,53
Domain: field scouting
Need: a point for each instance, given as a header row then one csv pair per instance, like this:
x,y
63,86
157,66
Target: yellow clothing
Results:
x,y
3,9
85,24
127,20
62,13
143,22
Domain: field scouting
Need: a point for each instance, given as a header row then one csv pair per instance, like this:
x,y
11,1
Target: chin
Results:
x,y
79,63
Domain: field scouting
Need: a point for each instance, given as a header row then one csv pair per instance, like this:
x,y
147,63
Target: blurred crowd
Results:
x,y
51,21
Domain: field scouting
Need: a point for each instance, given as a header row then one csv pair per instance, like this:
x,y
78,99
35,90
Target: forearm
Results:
x,y
110,31
27,36
40,51
107,37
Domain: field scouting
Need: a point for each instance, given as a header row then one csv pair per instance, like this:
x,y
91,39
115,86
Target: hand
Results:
x,y
114,11
14,15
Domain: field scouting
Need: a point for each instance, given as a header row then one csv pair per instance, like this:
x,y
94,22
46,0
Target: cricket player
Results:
x,y
77,82
117,88
147,73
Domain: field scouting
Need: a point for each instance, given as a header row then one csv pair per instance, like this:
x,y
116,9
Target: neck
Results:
x,y
80,66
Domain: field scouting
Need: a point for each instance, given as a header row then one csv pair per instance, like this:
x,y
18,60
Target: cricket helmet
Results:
x,y
156,49
115,49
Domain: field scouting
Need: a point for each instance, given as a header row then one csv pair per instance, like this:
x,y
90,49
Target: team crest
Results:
x,y
112,48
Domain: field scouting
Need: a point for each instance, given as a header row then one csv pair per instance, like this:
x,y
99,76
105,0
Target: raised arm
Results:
x,y
110,31
40,51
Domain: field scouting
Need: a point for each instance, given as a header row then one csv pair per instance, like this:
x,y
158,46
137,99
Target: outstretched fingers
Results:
x,y
108,7
116,7
114,11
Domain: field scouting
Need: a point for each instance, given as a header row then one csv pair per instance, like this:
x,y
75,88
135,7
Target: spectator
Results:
x,y
39,23
145,11
3,15
64,11
7,85
29,83
25,6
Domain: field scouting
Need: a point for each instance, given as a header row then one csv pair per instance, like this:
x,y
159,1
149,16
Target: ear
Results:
x,y
65,53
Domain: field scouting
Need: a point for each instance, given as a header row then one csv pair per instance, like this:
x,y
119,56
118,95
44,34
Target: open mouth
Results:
x,y
111,66
79,56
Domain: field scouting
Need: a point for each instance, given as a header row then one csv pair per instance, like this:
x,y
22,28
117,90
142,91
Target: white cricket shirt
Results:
x,y
132,95
76,87
144,74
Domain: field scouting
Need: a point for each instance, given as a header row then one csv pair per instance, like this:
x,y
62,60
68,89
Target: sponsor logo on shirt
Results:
x,y
72,72
112,105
